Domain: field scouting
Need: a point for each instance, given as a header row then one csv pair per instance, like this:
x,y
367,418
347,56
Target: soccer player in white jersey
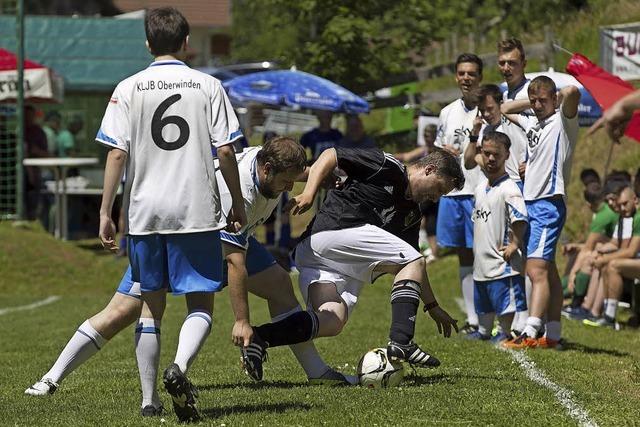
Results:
x,y
262,178
367,228
499,221
454,228
552,134
162,122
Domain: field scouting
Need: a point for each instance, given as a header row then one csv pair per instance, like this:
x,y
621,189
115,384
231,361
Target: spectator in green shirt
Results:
x,y
51,128
66,140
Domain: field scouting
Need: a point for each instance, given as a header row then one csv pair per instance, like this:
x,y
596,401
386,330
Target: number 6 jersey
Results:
x,y
167,117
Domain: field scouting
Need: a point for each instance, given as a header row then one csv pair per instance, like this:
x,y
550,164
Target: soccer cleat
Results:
x,y
602,322
411,354
468,328
546,343
500,337
334,378
253,356
152,411
43,387
183,394
521,342
477,336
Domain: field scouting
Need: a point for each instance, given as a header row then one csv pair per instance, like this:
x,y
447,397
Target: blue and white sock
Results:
x,y
83,344
194,332
147,342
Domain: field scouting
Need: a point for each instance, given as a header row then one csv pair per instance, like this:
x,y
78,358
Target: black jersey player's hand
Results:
x,y
443,321
107,233
300,204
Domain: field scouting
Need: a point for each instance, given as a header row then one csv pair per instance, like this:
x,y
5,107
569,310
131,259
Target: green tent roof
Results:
x,y
92,54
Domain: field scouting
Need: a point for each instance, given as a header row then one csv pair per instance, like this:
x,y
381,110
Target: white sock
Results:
x,y
532,326
610,308
485,323
147,341
520,318
83,344
194,332
554,330
305,352
422,238
468,289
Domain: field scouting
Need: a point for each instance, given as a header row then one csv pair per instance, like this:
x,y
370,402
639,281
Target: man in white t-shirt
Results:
x,y
552,135
500,221
163,122
454,228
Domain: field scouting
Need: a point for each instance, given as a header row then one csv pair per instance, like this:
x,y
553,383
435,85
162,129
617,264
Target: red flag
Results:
x,y
605,88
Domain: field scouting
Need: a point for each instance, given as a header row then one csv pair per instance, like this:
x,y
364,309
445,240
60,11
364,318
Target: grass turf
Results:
x,y
476,383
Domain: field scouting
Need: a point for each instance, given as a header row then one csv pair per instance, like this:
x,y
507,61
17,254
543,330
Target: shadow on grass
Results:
x,y
252,386
416,380
277,408
575,346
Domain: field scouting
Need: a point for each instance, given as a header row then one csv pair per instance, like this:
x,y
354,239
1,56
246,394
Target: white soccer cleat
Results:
x,y
43,387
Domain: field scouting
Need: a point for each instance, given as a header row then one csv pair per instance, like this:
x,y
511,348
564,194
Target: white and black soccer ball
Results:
x,y
375,370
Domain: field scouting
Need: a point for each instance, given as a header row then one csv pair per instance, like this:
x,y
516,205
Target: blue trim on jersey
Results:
x,y
235,135
148,330
466,110
511,94
517,213
254,173
554,173
103,137
167,62
239,240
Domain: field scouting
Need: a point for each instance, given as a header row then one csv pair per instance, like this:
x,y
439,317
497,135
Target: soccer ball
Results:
x,y
375,370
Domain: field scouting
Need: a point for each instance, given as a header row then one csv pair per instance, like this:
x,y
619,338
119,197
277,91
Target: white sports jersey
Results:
x,y
166,118
549,154
517,151
496,207
257,207
456,122
514,132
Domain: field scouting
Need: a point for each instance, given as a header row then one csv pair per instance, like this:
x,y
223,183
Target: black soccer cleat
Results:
x,y
152,411
183,394
411,354
253,356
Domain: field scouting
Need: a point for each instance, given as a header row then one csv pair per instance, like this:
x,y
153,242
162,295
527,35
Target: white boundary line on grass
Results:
x,y
564,396
31,306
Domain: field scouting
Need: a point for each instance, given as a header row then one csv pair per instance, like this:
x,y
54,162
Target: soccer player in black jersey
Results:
x,y
366,228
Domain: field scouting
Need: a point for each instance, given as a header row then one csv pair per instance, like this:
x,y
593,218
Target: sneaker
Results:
x,y
477,336
253,356
411,354
576,313
43,387
602,322
500,337
334,378
546,343
569,310
152,411
183,394
467,328
521,342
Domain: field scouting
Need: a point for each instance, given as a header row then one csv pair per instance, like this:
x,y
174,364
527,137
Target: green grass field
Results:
x,y
476,384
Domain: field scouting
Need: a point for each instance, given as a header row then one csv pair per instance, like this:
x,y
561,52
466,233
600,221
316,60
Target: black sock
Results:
x,y
405,299
296,328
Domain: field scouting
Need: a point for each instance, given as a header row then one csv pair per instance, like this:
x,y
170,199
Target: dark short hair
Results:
x,y
52,115
284,154
497,137
268,135
489,90
620,175
166,29
615,186
509,45
589,175
447,165
542,82
593,193
469,57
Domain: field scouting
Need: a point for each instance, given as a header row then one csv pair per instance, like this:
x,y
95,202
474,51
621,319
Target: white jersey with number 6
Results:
x,y
167,117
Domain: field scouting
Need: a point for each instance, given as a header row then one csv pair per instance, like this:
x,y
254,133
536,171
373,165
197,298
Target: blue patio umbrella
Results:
x,y
295,89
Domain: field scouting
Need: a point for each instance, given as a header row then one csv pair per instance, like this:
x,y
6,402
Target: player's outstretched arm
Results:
x,y
229,167
113,172
443,320
616,118
242,333
318,173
